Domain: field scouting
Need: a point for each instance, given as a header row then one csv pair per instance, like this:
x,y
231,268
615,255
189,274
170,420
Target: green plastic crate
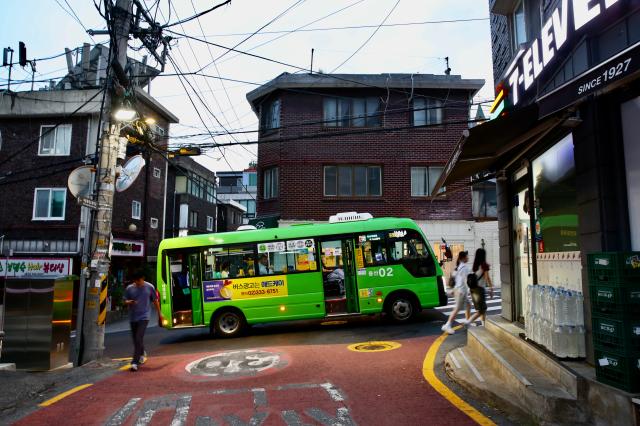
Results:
x,y
621,337
622,372
614,268
615,301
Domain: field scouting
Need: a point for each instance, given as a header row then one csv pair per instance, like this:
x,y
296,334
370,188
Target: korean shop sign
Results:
x,y
36,268
121,247
564,24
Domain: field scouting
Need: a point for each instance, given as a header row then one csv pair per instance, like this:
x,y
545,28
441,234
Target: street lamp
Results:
x,y
124,114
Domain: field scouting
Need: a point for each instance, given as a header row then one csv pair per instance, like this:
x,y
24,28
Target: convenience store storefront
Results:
x,y
564,151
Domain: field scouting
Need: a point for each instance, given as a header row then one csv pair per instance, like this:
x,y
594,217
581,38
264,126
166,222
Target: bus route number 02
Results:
x,y
385,272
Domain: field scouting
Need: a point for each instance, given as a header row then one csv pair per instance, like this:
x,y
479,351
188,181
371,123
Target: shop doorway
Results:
x,y
522,246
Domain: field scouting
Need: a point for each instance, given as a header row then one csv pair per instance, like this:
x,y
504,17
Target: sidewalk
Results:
x,y
122,323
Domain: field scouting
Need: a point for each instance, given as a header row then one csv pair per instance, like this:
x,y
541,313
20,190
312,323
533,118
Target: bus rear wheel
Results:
x,y
228,323
401,308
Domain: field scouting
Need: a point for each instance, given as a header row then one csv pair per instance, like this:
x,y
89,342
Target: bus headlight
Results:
x,y
165,322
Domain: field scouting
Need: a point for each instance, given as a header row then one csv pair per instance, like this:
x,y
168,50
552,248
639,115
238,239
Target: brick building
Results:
x,y
191,198
366,143
44,136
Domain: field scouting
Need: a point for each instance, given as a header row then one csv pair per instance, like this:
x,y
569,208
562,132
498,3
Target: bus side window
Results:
x,y
301,255
373,248
241,262
409,248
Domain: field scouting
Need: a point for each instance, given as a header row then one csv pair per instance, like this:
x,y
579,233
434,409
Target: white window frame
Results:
x,y
428,184
157,173
49,217
153,223
136,205
209,223
44,128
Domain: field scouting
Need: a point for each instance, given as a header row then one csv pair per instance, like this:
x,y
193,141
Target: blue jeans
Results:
x,y
137,333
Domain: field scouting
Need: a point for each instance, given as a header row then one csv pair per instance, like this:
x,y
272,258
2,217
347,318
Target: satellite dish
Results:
x,y
80,181
129,172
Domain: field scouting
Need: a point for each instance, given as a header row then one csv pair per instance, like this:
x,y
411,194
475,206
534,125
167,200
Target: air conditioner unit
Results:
x,y
350,217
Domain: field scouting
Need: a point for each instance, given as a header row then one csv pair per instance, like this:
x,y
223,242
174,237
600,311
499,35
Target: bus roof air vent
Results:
x,y
246,228
349,217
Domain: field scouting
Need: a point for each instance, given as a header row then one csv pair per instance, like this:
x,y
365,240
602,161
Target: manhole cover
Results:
x,y
374,346
235,364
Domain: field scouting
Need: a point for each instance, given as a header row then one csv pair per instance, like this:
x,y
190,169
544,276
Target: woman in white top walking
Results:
x,y
460,292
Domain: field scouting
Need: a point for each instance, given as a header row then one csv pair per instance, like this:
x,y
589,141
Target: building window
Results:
x,y
197,186
253,179
136,210
271,115
55,140
356,112
193,219
270,179
153,223
483,201
555,199
348,181
209,223
424,179
49,203
427,112
250,205
519,29
157,172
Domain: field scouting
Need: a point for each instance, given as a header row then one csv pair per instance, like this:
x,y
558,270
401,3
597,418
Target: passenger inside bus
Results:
x,y
332,272
263,265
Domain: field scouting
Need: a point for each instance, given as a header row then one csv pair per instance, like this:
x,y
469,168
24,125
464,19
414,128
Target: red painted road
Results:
x,y
312,385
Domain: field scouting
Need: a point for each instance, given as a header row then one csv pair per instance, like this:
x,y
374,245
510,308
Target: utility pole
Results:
x,y
96,287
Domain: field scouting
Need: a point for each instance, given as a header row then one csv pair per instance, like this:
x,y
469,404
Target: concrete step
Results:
x,y
509,335
513,379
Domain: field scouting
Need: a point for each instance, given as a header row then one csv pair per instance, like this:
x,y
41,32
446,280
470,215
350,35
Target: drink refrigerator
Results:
x,y
37,322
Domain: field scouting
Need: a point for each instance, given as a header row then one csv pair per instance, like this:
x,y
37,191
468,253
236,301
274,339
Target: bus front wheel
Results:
x,y
228,323
401,308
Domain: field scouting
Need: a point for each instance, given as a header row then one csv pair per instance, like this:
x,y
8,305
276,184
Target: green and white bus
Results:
x,y
354,265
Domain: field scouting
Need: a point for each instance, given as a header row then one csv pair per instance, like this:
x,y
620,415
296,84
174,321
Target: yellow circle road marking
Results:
x,y
64,395
333,322
442,389
374,346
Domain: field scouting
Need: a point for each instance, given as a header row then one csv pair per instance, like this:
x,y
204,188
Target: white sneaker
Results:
x,y
447,329
143,358
463,321
134,367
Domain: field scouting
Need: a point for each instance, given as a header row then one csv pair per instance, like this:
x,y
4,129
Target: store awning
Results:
x,y
482,147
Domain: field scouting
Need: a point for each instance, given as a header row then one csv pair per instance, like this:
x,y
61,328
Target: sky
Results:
x,y
48,26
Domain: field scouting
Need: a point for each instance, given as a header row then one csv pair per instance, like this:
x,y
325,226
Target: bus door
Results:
x,y
195,281
339,276
186,289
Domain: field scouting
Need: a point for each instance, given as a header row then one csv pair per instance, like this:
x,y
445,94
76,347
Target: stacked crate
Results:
x,y
614,287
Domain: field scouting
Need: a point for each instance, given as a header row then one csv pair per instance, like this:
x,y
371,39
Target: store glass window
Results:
x,y
555,216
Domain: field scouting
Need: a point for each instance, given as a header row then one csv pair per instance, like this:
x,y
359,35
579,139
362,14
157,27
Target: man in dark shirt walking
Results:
x,y
139,296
